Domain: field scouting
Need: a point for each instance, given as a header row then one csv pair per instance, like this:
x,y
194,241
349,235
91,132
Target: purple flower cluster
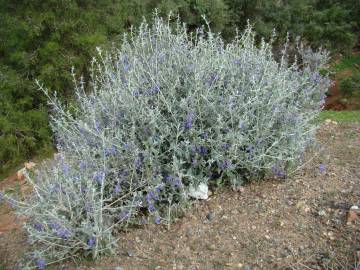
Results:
x,y
63,233
139,162
225,146
152,91
124,215
117,188
150,199
99,176
97,126
65,168
278,171
242,125
91,242
111,151
126,63
88,207
226,164
188,123
201,150
38,226
157,220
59,230
40,263
82,165
211,79
173,181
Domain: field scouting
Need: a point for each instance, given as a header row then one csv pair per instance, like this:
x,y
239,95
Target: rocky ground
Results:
x,y
301,222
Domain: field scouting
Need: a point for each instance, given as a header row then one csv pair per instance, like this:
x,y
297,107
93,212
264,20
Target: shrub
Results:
x,y
349,85
168,110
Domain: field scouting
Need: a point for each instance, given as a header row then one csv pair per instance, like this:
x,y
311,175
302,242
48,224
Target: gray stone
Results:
x,y
210,216
189,232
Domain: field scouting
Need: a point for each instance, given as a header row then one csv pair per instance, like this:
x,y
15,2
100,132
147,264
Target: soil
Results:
x,y
295,223
335,100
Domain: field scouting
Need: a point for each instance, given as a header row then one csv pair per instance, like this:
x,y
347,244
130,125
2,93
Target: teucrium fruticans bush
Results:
x,y
167,110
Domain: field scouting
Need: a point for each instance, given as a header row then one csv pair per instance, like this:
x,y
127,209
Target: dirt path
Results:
x,y
297,223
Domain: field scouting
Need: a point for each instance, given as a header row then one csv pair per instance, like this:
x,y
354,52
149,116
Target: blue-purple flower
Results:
x,y
213,77
65,168
111,151
54,225
242,125
159,188
82,165
41,264
124,215
153,91
38,226
278,171
97,126
91,242
63,233
87,207
322,168
225,146
123,79
117,189
188,123
99,176
151,196
225,165
237,62
202,150
151,208
157,220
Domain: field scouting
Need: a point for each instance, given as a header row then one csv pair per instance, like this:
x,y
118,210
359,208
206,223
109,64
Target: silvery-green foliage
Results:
x,y
169,109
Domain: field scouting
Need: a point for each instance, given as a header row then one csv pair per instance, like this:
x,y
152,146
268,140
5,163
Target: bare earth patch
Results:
x,y
294,223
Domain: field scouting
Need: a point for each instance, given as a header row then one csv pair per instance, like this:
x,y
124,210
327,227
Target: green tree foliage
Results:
x,y
42,40
328,23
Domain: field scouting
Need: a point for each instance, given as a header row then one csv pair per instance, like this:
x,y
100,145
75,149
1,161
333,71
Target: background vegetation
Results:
x,y
44,39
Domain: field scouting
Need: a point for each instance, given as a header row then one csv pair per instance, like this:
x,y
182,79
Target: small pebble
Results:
x,y
189,232
322,213
130,253
210,216
119,268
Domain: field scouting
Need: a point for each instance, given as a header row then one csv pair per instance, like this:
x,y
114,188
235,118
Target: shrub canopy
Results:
x,y
168,110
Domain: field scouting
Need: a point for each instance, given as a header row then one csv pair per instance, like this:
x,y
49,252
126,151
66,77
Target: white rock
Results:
x,y
29,165
200,192
354,207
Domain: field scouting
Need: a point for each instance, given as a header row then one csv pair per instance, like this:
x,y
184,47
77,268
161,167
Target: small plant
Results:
x,y
168,110
349,85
